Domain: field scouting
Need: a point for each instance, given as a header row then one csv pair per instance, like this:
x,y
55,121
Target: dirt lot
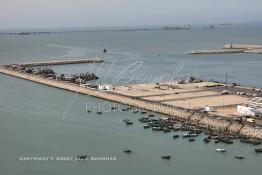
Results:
x,y
201,102
189,96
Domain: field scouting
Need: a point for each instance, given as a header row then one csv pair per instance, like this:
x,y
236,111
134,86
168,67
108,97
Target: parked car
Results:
x,y
251,120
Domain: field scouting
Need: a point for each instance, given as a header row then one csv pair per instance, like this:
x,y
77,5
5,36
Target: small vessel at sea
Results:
x,y
166,157
191,140
128,151
144,119
175,136
157,128
146,127
221,150
258,150
206,140
113,108
129,123
176,128
99,112
239,157
166,130
190,135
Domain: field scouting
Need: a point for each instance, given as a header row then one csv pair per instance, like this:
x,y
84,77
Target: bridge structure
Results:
x,y
165,28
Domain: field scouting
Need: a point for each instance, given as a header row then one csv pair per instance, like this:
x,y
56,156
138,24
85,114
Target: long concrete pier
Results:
x,y
180,114
221,51
242,46
62,62
232,48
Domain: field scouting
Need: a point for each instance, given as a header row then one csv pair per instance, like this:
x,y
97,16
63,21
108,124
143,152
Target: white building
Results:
x,y
105,87
245,110
208,108
252,107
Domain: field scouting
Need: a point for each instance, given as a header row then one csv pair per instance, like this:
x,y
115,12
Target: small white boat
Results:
x,y
220,150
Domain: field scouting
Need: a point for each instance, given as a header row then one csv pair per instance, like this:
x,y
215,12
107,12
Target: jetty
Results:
x,y
61,62
242,46
232,48
221,51
150,97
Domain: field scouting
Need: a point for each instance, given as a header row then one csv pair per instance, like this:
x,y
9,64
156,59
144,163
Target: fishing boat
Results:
x,y
239,157
220,150
146,127
129,123
166,157
206,140
166,130
190,135
128,151
191,140
258,150
170,127
176,128
175,136
251,141
99,112
144,119
135,111
151,115
143,112
157,128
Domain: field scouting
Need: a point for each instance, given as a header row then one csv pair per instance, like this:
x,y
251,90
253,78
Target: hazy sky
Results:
x,y
90,13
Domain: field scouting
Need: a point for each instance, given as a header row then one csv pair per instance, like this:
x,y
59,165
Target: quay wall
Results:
x,y
155,107
49,63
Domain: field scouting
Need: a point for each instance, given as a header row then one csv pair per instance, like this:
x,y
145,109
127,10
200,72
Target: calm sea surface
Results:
x,y
39,121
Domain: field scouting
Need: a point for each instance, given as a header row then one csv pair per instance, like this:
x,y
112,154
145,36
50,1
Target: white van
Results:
x,y
250,120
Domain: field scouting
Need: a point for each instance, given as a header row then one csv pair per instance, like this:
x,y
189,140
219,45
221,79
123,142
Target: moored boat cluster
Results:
x,y
190,130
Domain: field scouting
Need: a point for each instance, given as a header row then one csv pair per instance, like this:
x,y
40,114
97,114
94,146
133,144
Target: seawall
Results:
x,y
62,62
242,46
222,51
155,107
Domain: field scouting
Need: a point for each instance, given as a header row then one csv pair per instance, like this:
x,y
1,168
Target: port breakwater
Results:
x,y
232,48
62,62
180,114
222,51
242,46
